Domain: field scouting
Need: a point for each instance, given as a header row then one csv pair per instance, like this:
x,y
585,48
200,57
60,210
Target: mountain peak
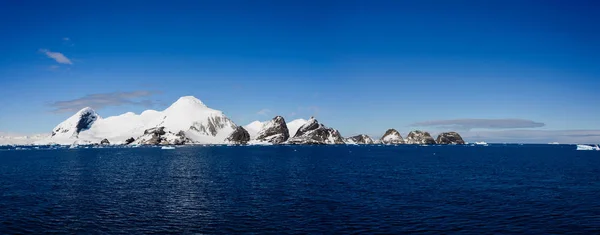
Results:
x,y
85,110
187,102
189,99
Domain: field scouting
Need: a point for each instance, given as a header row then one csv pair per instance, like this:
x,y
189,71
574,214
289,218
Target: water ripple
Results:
x,y
301,189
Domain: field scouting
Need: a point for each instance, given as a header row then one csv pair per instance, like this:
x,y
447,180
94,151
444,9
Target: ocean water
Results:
x,y
498,189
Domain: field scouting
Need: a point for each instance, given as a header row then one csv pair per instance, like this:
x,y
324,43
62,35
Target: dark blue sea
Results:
x,y
496,189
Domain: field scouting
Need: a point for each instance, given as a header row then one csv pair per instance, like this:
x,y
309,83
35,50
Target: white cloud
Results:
x,y
535,136
263,112
57,56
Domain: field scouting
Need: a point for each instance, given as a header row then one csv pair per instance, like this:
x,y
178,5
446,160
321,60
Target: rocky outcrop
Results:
x,y
419,137
313,132
129,141
105,142
274,131
158,136
392,136
239,136
449,138
359,139
180,139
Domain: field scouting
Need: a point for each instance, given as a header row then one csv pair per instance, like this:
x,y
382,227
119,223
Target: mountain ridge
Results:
x,y
189,121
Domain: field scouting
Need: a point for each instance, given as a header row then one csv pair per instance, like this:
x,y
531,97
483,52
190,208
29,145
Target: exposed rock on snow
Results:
x,y
312,132
359,139
239,136
104,142
158,136
77,123
419,137
449,138
392,136
274,131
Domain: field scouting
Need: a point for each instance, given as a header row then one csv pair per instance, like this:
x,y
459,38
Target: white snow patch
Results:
x,y
253,128
294,125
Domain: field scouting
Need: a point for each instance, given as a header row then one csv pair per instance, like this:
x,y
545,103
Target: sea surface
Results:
x,y
496,189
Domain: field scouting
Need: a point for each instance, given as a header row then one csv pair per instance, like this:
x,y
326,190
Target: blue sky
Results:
x,y
358,66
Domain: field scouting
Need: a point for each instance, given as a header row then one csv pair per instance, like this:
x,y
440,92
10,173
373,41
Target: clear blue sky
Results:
x,y
359,66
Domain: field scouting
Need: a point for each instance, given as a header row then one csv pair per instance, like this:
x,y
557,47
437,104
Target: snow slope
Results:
x,y
253,128
21,139
294,125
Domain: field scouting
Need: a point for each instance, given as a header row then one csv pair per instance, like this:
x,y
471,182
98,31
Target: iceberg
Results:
x,y
587,147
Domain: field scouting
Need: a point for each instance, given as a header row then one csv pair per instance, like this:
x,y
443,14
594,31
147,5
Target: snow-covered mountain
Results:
x,y
189,121
392,136
449,138
419,137
313,132
274,131
359,139
188,116
256,126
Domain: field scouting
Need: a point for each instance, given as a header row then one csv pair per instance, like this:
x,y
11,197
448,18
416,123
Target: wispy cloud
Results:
x,y
57,56
264,112
468,124
534,136
53,67
66,39
99,101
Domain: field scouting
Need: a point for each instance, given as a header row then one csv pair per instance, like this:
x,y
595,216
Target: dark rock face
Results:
x,y
449,138
104,142
213,125
275,131
314,132
86,120
129,141
419,137
239,136
392,136
359,139
155,130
